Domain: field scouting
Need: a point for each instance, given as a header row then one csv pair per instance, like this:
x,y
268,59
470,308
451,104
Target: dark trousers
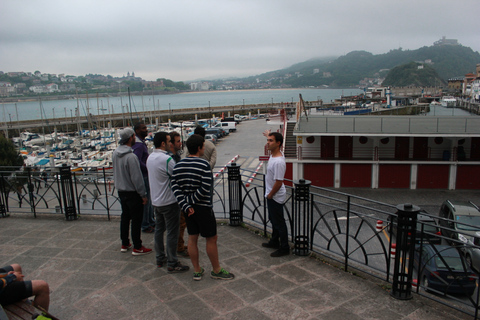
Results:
x,y
132,211
280,232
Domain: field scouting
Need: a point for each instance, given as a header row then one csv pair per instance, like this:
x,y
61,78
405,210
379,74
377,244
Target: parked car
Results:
x,y
463,220
431,230
216,131
443,269
229,126
471,250
211,137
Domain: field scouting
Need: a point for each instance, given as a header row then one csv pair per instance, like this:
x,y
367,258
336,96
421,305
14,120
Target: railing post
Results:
x,y
235,194
67,194
3,198
405,247
302,218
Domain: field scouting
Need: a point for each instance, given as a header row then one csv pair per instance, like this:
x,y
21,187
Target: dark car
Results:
x,y
215,131
443,270
428,230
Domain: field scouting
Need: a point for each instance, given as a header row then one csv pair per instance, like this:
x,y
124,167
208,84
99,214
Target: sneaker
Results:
x,y
178,268
149,230
183,253
197,276
141,251
222,275
271,245
125,248
280,253
161,263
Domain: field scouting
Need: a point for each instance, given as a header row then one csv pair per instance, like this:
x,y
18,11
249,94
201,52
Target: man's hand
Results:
x,y
267,132
144,200
190,211
18,275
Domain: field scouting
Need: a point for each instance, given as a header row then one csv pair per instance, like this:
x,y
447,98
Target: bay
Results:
x,y
97,106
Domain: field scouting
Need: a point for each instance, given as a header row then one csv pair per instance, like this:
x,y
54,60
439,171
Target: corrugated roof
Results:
x,y
388,126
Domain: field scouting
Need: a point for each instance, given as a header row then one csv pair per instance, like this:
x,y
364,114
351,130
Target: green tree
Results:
x,y
9,156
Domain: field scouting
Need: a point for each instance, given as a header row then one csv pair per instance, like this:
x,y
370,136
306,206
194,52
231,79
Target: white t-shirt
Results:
x,y
276,171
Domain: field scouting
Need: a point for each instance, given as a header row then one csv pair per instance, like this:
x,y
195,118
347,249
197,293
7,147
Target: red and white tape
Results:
x,y
254,175
225,166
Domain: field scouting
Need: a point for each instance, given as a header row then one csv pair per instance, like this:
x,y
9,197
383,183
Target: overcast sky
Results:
x,y
189,39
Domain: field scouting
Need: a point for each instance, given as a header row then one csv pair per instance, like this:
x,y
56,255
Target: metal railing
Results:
x,y
380,239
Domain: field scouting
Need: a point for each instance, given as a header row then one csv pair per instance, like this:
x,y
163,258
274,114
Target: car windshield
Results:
x,y
473,220
453,262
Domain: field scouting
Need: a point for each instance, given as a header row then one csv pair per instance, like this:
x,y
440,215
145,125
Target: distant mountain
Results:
x,y
413,74
350,69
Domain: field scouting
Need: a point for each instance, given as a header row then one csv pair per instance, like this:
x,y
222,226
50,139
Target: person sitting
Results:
x,y
14,289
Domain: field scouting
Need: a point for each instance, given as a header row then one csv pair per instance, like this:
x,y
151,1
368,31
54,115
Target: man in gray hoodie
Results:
x,y
131,191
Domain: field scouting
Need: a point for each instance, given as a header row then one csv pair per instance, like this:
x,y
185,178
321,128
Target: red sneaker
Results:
x,y
141,251
125,248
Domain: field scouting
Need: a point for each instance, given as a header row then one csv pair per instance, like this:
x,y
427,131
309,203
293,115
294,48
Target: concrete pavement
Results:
x,y
91,279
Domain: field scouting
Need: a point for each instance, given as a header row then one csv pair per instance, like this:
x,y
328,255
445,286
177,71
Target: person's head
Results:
x,y
162,141
141,130
127,136
200,131
195,145
274,141
176,142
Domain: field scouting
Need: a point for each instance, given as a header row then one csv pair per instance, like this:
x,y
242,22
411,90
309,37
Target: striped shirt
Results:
x,y
192,182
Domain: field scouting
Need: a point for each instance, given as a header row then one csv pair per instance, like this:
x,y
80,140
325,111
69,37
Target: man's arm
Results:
x,y
276,186
213,158
136,176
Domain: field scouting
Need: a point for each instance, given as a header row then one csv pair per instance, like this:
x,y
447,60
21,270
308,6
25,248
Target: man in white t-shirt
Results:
x,y
276,194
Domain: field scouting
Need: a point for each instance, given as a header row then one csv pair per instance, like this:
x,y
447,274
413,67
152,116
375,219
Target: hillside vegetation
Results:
x,y
348,70
413,74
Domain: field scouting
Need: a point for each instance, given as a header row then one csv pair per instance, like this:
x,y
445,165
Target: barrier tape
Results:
x,y
254,175
225,166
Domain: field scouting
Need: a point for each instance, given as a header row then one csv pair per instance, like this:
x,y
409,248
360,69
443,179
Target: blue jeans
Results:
x,y
147,221
132,209
167,218
279,227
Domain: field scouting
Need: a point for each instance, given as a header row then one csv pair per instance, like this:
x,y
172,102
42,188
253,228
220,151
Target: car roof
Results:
x,y
445,251
463,208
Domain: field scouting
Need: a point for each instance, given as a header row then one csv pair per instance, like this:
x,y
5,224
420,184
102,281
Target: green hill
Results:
x,y
413,74
348,70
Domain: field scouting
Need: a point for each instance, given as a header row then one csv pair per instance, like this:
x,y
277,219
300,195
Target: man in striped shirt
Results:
x,y
191,183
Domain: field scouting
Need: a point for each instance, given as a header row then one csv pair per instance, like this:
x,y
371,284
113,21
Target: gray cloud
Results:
x,y
185,40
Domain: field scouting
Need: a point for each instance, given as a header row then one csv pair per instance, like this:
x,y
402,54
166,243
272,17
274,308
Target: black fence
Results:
x,y
412,250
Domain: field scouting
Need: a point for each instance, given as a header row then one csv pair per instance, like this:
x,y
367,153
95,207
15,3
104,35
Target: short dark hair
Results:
x,y
278,137
194,142
200,130
174,134
138,125
159,138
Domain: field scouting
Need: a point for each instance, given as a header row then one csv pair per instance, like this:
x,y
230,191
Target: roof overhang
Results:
x,y
398,126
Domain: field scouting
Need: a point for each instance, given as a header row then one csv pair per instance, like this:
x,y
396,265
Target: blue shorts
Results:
x,y
15,291
202,222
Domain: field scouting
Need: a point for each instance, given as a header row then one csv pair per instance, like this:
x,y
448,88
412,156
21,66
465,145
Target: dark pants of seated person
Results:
x,y
15,291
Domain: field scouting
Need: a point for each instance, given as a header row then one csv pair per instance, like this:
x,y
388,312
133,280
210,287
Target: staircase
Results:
x,y
290,143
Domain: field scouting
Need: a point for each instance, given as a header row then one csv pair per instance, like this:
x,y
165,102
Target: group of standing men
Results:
x,y
180,192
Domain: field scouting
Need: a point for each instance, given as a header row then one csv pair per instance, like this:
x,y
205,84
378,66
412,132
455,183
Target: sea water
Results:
x,y
103,106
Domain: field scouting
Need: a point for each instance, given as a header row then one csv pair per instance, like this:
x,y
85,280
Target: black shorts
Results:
x,y
202,222
15,291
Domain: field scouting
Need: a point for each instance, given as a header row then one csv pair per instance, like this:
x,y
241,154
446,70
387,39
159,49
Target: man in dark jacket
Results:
x,y
141,151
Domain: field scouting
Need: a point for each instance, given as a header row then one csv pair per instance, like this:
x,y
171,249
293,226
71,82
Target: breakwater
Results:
x,y
73,124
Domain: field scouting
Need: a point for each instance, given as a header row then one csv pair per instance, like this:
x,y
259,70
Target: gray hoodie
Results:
x,y
126,171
